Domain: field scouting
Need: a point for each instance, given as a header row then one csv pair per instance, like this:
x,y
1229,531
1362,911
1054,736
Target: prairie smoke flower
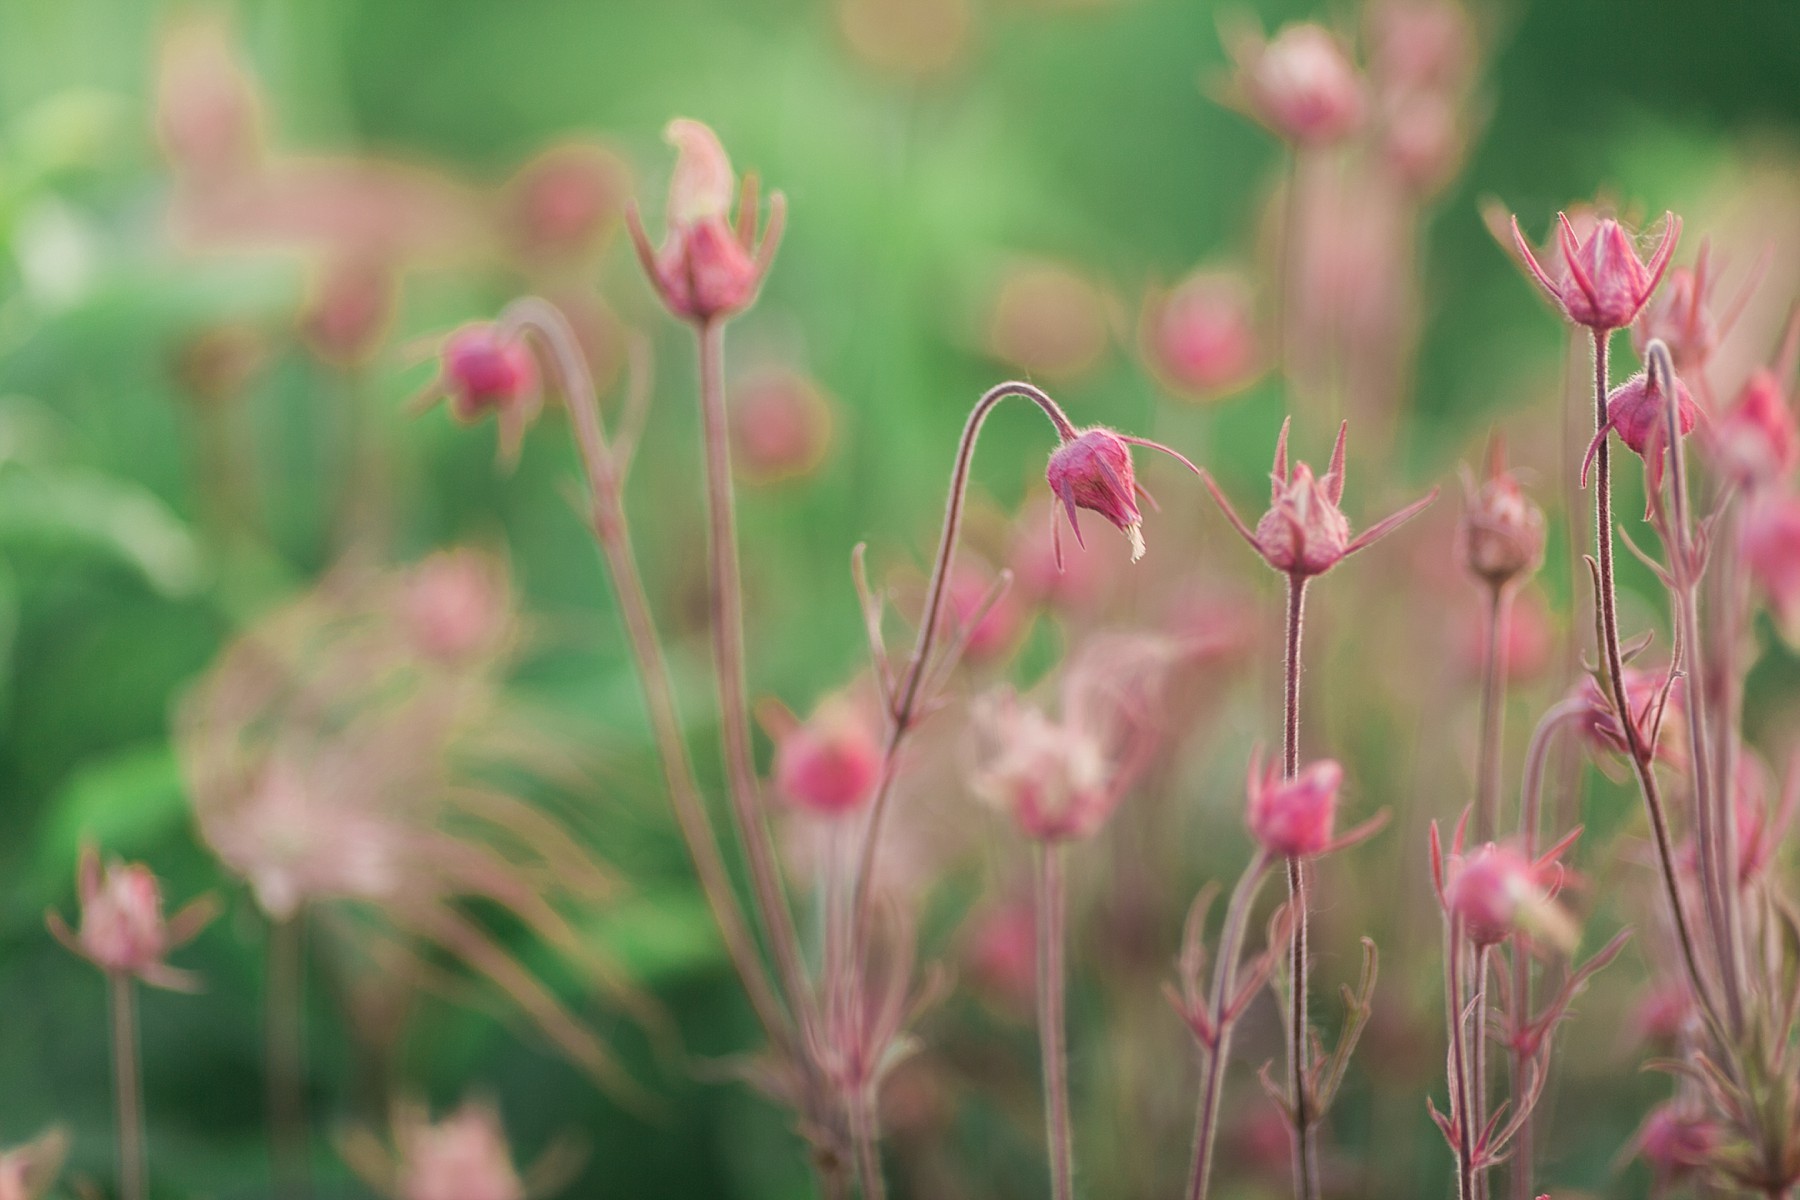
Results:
x,y
1424,45
1050,321
708,267
349,307
1769,542
1293,818
1602,283
457,606
122,928
990,621
559,207
1078,583
1199,337
781,425
29,1171
1496,891
1300,84
1655,701
1000,951
463,1156
481,371
1676,1144
1422,140
208,111
1501,535
1093,470
829,764
1304,533
1681,316
1638,410
1755,442
1054,779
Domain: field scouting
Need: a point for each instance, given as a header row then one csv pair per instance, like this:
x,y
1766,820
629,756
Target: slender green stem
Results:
x,y
285,1013
1051,932
127,1090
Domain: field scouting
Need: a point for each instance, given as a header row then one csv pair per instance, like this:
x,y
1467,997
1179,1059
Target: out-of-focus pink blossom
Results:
x,y
1600,281
1300,84
1050,321
1526,644
1293,818
1664,1014
122,929
1077,583
1761,825
781,425
1755,441
458,605
208,112
465,1156
1423,136
827,765
349,309
1304,532
1676,1143
1496,891
29,1171
1093,470
988,635
1655,702
1769,543
1501,535
1424,45
708,267
1199,338
1052,778
482,371
1000,951
560,206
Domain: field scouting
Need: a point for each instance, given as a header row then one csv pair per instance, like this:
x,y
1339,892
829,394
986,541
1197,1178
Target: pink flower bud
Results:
x,y
1053,777
1496,892
1755,442
1501,536
482,371
350,307
1679,315
828,765
1769,541
708,267
560,206
781,425
1602,283
208,112
1300,84
1304,533
1420,44
28,1172
1675,1144
1294,818
1049,321
1655,706
1664,1014
1200,338
1638,410
462,1157
1093,471
122,930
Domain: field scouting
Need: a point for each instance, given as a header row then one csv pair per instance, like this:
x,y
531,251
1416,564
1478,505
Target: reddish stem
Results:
x,y
127,1090
1306,1181
1052,922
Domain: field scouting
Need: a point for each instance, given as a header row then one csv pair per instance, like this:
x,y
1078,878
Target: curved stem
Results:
x,y
908,694
133,1171
1051,932
1615,671
613,533
1306,1182
1212,1088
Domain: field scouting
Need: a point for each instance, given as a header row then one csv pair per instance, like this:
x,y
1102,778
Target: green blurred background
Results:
x,y
1077,132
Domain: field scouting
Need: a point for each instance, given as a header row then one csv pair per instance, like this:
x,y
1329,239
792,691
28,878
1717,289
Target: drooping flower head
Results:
x,y
1092,470
122,929
1638,411
481,370
1600,282
1495,891
1501,536
709,266
1676,1143
1300,84
1655,701
1304,532
1293,818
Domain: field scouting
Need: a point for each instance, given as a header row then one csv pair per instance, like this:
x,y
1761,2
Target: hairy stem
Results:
x,y
1461,1084
1051,932
1306,1182
127,1090
1614,663
285,1034
1212,1088
612,532
1493,717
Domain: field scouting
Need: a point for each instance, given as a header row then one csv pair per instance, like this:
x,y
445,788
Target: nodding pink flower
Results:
x,y
1092,470
1602,283
1304,533
829,764
463,1157
28,1172
709,267
1769,542
1676,1144
122,929
1300,84
1638,410
1496,891
1199,338
482,371
1293,818
1501,536
1681,317
456,606
781,425
1655,702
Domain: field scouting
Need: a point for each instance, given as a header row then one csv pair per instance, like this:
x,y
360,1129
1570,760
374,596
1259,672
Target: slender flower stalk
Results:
x,y
1052,931
285,1039
1306,1177
127,1090
1613,663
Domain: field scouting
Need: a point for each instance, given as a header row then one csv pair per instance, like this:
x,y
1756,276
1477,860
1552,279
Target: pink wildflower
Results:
x,y
1602,283
1496,891
1092,470
829,764
1199,338
1676,1144
1769,541
781,425
1293,818
1501,535
480,371
28,1172
123,931
1300,84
